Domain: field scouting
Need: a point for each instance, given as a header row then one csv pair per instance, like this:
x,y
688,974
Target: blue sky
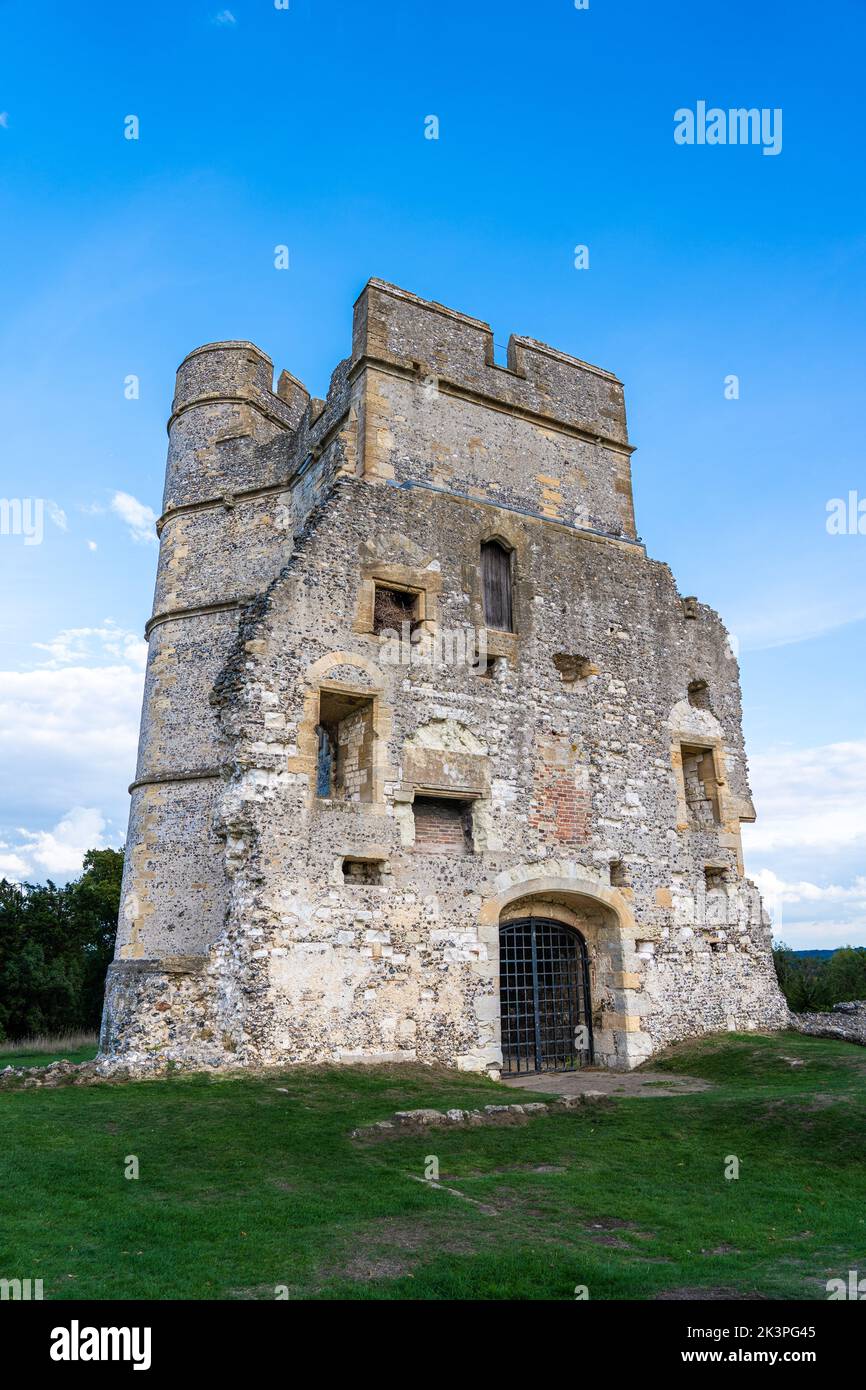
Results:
x,y
305,127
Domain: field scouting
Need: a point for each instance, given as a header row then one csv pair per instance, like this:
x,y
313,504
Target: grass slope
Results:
x,y
245,1186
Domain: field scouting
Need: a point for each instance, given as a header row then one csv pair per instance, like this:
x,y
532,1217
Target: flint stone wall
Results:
x,y
242,939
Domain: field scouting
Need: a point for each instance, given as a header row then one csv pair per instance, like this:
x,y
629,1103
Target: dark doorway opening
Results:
x,y
544,993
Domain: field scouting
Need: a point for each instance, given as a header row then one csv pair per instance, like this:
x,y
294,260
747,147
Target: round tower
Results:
x,y
228,462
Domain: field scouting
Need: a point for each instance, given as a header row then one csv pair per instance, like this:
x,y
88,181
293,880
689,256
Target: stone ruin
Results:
x,y
435,762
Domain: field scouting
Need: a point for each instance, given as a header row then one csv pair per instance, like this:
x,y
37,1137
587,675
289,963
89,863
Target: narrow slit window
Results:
x,y
496,586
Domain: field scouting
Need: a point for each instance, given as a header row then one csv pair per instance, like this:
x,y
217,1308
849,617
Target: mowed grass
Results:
x,y
249,1184
42,1048
25,1056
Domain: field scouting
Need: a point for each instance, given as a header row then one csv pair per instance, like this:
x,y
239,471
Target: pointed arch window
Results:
x,y
496,586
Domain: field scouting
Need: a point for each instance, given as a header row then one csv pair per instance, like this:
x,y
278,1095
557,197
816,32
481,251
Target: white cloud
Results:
x,y
812,914
68,739
814,934
59,853
93,645
784,624
73,727
775,888
809,799
4,119
807,851
91,545
13,866
224,17
137,516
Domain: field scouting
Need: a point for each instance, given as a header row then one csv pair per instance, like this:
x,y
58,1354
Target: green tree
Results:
x,y
846,973
816,982
94,904
55,947
786,967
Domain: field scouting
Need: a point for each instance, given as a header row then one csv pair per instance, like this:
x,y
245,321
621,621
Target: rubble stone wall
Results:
x,y
243,939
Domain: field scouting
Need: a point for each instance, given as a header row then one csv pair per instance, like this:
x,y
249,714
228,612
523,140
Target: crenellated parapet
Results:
x,y
399,329
544,435
224,410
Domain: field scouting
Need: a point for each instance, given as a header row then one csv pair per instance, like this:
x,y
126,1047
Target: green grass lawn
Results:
x,y
244,1186
41,1059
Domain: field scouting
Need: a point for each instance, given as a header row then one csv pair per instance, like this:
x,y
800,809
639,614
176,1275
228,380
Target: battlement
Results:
x,y
224,407
238,372
397,328
420,401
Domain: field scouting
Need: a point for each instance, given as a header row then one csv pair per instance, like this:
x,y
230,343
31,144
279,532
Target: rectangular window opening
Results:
x,y
701,786
394,607
443,825
496,586
344,762
366,872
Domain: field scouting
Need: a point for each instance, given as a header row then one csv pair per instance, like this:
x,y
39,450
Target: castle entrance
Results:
x,y
546,1018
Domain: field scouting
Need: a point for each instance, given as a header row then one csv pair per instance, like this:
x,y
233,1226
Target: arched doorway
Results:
x,y
546,1016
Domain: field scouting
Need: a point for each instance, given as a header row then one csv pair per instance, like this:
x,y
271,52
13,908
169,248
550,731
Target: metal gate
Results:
x,y
544,991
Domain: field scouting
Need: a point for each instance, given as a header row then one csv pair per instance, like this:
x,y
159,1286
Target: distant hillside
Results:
x,y
817,955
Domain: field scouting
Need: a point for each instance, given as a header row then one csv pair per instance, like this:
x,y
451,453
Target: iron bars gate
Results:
x,y
544,992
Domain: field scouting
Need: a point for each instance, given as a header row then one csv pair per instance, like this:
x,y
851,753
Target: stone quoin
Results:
x,y
527,862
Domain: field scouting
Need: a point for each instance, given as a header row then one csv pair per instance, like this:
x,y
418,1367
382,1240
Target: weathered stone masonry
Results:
x,y
277,903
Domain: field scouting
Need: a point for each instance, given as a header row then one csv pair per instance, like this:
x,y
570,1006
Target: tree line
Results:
x,y
819,982
55,947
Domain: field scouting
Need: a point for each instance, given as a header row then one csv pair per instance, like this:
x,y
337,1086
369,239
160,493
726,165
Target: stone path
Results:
x,y
607,1083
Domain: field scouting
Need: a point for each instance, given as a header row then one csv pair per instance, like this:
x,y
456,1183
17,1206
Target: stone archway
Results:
x,y
603,918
